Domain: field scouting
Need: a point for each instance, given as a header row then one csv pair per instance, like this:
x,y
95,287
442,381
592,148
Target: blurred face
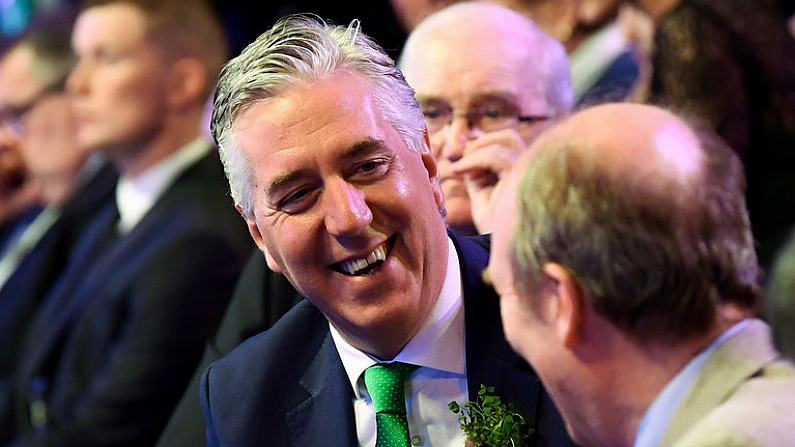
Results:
x,y
595,13
345,210
41,124
18,89
520,326
120,82
530,331
411,12
468,74
555,17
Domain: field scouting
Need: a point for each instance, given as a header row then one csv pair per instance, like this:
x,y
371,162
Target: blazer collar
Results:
x,y
735,361
319,419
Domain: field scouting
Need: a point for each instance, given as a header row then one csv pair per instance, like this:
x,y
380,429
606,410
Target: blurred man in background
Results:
x,y
488,81
69,183
111,349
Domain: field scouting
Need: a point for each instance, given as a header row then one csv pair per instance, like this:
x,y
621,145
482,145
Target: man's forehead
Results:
x,y
110,25
322,120
290,164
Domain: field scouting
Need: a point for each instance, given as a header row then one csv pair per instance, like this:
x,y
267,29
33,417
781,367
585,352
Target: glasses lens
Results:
x,y
494,117
13,117
435,117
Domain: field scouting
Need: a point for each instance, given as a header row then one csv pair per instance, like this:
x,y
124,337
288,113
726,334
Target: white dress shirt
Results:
x,y
135,196
36,230
439,349
594,56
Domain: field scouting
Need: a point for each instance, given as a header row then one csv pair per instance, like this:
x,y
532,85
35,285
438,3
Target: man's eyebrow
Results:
x,y
480,97
424,99
281,182
356,150
496,95
363,147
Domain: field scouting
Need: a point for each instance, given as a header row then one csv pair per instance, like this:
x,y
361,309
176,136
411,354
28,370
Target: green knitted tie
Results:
x,y
385,382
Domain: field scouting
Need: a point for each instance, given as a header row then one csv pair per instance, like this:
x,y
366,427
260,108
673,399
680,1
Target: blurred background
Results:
x,y
244,20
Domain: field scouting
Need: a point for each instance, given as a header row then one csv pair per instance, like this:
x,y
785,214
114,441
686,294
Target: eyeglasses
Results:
x,y
489,117
13,117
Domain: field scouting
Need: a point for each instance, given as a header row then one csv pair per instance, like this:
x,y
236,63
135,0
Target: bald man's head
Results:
x,y
648,213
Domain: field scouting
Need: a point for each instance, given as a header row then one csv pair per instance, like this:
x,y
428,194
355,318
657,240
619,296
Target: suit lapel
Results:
x,y
490,360
326,417
735,361
62,304
102,247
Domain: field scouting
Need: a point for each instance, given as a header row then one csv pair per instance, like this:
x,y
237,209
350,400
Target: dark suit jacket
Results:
x,y
261,297
287,386
38,271
117,339
616,82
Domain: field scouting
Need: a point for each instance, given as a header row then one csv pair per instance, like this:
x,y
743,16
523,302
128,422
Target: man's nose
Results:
x,y
347,213
77,80
456,135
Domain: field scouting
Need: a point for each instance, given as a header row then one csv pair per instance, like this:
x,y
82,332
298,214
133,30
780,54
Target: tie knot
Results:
x,y
386,384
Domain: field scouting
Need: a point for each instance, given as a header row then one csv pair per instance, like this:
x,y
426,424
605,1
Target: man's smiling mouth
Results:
x,y
364,266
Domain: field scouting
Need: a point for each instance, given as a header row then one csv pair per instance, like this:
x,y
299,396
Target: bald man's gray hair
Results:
x,y
548,55
659,255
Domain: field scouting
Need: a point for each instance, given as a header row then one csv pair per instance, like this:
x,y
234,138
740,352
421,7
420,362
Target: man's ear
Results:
x,y
567,314
187,83
253,229
429,161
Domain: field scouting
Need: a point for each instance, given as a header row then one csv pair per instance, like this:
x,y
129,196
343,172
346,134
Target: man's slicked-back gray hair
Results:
x,y
304,47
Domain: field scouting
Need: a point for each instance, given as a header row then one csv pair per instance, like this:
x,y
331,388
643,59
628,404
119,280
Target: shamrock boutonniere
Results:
x,y
488,422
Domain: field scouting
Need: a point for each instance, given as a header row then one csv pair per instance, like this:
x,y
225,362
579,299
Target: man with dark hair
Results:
x,y
117,338
628,279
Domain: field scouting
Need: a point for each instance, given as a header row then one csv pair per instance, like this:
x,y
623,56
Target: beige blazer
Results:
x,y
744,396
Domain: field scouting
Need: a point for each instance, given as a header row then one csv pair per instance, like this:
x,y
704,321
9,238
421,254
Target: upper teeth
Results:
x,y
351,267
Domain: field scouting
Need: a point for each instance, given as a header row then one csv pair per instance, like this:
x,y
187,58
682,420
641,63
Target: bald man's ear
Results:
x,y
568,308
187,83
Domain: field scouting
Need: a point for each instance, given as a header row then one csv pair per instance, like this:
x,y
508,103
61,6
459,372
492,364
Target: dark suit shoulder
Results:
x,y
269,386
295,336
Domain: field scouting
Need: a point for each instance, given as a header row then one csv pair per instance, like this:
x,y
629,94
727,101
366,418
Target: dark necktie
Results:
x,y
386,384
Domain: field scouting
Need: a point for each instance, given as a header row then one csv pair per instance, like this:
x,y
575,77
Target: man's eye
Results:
x,y
368,170
368,166
493,113
107,57
433,113
294,200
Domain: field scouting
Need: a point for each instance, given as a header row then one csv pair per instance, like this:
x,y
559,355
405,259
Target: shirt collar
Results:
x,y
659,414
590,60
439,344
135,196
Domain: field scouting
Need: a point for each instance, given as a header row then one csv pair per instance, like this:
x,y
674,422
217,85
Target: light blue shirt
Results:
x,y
439,349
659,414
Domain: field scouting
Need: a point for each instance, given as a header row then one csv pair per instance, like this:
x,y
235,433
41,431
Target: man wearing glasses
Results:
x,y
66,185
488,81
